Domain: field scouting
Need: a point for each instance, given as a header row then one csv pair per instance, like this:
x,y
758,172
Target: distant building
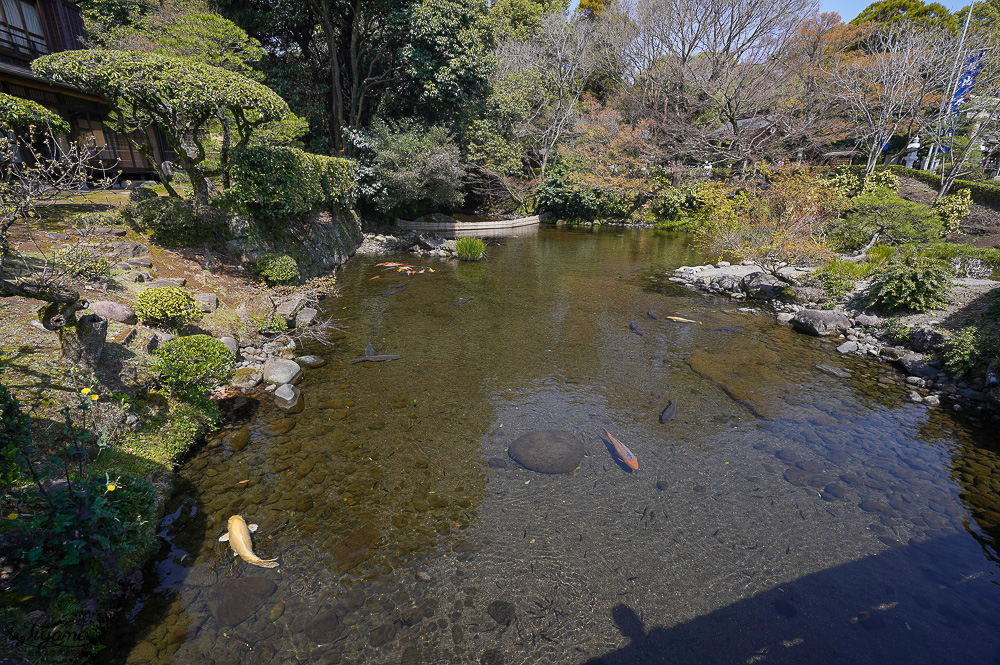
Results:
x,y
32,28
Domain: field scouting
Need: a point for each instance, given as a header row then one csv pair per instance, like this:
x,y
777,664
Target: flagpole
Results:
x,y
945,103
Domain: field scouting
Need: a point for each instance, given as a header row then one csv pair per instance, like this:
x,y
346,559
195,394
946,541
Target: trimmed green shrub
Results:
x,y
277,183
278,269
845,181
194,364
141,193
15,435
911,282
953,208
168,306
175,222
83,262
880,179
895,220
469,249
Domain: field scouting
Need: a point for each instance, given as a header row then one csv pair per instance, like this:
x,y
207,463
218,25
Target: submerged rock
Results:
x,y
548,451
234,601
288,398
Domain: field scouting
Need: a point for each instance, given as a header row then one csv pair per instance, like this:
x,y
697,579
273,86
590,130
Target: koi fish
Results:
x,y
369,350
238,536
636,329
624,454
668,413
681,320
653,315
463,301
396,289
386,357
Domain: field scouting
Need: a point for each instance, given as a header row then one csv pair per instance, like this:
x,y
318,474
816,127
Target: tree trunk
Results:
x,y
83,343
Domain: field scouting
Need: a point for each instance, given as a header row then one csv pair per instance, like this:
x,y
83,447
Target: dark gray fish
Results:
x,y
636,329
376,359
668,413
653,315
396,289
369,350
463,301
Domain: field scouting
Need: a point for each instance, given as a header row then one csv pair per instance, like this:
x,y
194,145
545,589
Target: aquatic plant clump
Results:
x,y
469,249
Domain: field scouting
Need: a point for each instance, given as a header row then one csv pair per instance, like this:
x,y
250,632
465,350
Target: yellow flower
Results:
x,y
12,516
85,391
112,487
93,397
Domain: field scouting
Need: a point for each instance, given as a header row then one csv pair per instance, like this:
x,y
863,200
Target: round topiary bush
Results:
x,y
278,269
469,249
168,306
911,282
194,364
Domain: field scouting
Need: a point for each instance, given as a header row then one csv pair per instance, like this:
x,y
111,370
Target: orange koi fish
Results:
x,y
624,454
681,320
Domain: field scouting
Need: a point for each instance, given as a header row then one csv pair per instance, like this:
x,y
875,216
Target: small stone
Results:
x,y
312,362
847,347
932,400
246,378
114,311
785,317
866,320
288,398
144,652
237,440
141,262
129,249
915,397
288,308
501,611
324,628
179,282
232,345
381,635
282,371
209,302
55,235
141,277
491,657
820,321
548,451
122,266
235,600
305,317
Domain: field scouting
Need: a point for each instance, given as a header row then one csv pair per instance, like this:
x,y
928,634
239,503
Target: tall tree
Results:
x,y
915,12
893,85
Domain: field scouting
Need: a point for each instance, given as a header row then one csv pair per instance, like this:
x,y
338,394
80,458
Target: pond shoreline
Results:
x,y
929,382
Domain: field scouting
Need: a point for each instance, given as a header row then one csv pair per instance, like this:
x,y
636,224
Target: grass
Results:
x,y
470,249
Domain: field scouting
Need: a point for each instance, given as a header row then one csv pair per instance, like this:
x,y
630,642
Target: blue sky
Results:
x,y
848,9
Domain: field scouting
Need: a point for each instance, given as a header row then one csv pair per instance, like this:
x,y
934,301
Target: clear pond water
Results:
x,y
786,515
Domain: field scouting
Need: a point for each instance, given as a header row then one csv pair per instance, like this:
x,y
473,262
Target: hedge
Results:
x,y
277,183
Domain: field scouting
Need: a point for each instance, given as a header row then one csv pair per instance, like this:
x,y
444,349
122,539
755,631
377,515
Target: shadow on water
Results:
x,y
860,612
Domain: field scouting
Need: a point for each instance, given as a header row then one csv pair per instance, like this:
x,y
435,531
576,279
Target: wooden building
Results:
x,y
32,28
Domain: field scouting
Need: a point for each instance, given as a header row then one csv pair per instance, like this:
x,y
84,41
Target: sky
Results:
x,y
848,9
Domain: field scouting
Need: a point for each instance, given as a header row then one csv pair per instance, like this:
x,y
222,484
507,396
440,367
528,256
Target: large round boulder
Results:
x,y
820,321
548,451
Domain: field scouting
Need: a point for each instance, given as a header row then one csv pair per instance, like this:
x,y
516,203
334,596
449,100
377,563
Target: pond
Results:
x,y
797,509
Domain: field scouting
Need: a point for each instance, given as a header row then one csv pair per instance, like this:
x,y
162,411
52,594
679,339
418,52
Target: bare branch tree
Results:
x,y
892,85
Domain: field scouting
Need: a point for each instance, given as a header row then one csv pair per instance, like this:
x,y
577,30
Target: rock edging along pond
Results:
x,y
927,378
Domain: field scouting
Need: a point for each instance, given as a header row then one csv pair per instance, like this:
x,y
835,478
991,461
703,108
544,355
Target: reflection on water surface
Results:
x,y
784,516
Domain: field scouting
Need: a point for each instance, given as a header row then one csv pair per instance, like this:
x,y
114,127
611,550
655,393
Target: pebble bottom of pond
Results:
x,y
783,515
